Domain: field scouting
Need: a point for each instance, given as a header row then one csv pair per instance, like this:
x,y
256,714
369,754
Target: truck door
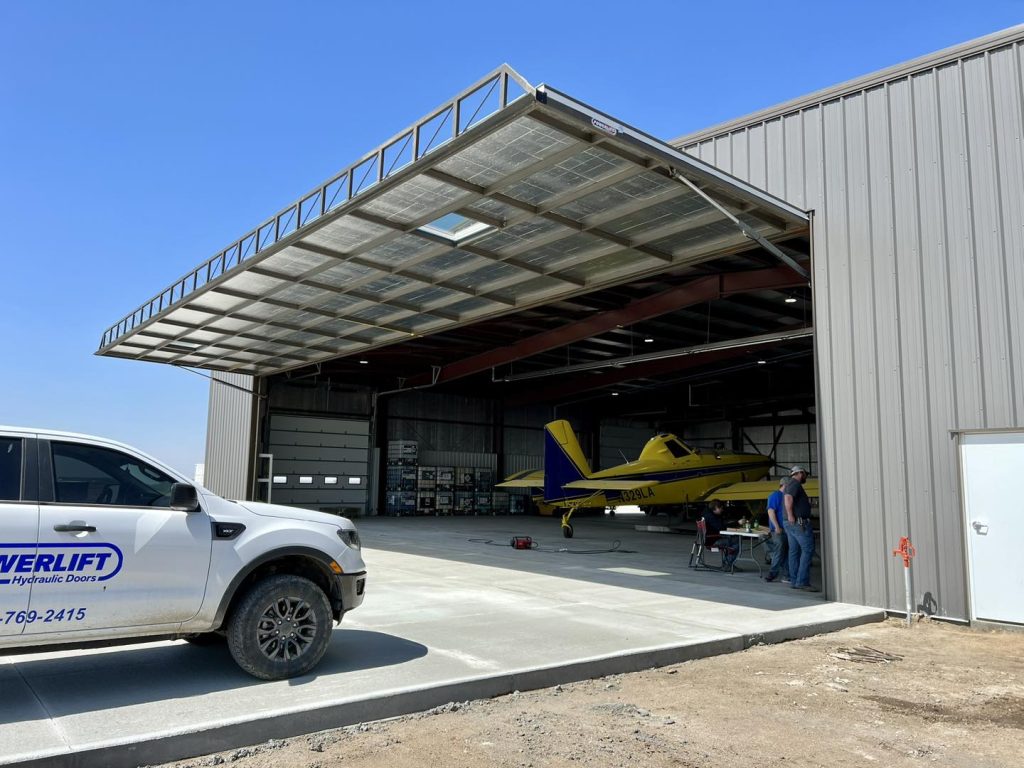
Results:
x,y
19,524
111,552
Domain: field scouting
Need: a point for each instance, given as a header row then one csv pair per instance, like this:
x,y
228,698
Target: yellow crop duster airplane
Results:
x,y
668,472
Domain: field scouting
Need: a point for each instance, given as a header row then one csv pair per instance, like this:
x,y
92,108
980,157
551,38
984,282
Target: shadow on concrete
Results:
x,y
655,562
170,672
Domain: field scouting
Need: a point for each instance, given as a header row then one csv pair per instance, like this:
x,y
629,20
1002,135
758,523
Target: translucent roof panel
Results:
x,y
462,217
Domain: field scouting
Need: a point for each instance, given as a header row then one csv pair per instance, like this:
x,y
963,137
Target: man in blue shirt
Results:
x,y
775,544
799,534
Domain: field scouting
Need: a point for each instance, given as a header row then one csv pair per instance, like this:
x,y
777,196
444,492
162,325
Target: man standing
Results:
x,y
775,544
799,534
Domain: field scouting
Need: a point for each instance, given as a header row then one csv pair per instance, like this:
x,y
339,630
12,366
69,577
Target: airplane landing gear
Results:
x,y
566,525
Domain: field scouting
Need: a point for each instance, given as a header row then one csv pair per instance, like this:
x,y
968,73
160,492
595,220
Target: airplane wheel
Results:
x,y
567,531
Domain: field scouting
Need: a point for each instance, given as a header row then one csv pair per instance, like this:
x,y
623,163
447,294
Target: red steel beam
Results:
x,y
577,384
694,292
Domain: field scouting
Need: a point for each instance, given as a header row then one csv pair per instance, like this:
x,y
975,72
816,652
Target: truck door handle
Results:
x,y
76,528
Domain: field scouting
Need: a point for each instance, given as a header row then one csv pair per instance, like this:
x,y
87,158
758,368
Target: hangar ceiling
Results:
x,y
509,207
730,336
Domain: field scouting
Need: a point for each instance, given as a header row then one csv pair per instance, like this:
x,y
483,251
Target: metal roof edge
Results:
x,y
671,156
239,255
964,50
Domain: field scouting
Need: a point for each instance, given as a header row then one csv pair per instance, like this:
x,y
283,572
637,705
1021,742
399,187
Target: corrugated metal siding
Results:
x,y
229,438
620,443
797,445
917,184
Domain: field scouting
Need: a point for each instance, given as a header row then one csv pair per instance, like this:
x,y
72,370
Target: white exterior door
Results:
x,y
19,523
993,465
111,553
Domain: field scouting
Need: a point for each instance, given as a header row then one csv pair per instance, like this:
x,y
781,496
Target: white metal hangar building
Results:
x,y
838,280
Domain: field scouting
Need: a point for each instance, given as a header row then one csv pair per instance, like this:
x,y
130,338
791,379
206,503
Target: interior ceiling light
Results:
x,y
615,394
648,340
364,362
761,362
791,299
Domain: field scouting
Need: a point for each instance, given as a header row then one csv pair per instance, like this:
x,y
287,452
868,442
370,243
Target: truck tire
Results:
x,y
281,627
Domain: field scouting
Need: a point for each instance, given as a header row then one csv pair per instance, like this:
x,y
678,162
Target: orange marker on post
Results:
x,y
906,551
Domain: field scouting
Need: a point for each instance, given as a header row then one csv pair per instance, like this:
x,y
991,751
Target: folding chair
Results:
x,y
700,548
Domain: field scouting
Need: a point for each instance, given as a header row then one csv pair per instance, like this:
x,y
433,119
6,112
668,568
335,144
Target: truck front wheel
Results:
x,y
280,628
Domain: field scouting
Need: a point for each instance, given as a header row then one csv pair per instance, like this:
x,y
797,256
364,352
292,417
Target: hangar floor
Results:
x,y
445,619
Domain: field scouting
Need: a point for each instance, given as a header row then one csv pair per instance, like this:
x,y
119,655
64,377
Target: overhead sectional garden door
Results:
x,y
319,462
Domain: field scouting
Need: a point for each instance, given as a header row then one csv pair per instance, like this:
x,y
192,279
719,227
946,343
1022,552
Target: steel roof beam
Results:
x,y
614,376
694,292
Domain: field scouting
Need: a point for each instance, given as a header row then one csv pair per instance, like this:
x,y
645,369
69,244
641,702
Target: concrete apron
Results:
x,y
431,631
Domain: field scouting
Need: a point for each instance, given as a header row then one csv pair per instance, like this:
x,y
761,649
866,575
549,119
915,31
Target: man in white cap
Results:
x,y
799,534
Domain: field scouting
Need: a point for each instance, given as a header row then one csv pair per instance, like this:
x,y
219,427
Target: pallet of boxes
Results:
x,y
426,490
444,485
402,478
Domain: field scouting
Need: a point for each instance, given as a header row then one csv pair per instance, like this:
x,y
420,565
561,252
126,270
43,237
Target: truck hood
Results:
x,y
295,513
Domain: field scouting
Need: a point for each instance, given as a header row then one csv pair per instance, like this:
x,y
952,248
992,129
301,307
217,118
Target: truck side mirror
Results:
x,y
184,497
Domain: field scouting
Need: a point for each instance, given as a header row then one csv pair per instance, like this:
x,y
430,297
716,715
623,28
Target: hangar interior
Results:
x,y
673,352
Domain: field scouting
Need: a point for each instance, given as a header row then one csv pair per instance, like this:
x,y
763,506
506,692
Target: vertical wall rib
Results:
x,y
917,185
229,438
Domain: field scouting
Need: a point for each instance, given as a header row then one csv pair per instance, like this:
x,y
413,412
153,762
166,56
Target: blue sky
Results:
x,y
138,138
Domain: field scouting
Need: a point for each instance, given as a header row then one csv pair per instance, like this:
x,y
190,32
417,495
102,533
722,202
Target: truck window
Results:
x,y
88,474
10,469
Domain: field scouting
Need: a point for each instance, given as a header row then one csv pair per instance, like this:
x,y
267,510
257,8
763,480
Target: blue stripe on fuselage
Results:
x,y
663,476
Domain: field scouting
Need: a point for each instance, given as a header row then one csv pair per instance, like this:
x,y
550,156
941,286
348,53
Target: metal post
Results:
x,y
906,551
269,479
910,602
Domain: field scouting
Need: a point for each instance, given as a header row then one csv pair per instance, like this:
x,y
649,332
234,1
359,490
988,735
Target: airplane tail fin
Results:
x,y
564,461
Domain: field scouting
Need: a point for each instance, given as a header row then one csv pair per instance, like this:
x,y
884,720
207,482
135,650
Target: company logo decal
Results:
x,y
23,564
601,125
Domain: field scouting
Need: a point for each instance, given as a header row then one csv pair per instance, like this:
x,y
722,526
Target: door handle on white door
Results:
x,y
979,527
74,527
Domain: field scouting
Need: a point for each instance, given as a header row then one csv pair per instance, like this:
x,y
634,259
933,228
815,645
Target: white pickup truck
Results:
x,y
99,543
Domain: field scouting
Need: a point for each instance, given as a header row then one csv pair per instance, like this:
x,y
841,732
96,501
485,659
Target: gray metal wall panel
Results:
x,y
917,185
620,443
1007,67
521,462
229,437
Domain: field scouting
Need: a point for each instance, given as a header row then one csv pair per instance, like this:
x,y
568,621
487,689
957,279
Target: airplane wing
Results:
x,y
759,490
530,478
610,485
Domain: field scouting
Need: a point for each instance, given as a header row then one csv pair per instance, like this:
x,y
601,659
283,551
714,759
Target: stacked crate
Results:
x,y
465,490
426,491
400,497
500,503
483,483
445,489
518,503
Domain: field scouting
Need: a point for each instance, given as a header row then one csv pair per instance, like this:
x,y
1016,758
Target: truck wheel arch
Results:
x,y
300,561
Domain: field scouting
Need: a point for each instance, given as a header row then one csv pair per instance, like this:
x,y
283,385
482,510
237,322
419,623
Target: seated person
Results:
x,y
715,523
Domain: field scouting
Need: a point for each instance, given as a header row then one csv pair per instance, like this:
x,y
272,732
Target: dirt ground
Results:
x,y
956,698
